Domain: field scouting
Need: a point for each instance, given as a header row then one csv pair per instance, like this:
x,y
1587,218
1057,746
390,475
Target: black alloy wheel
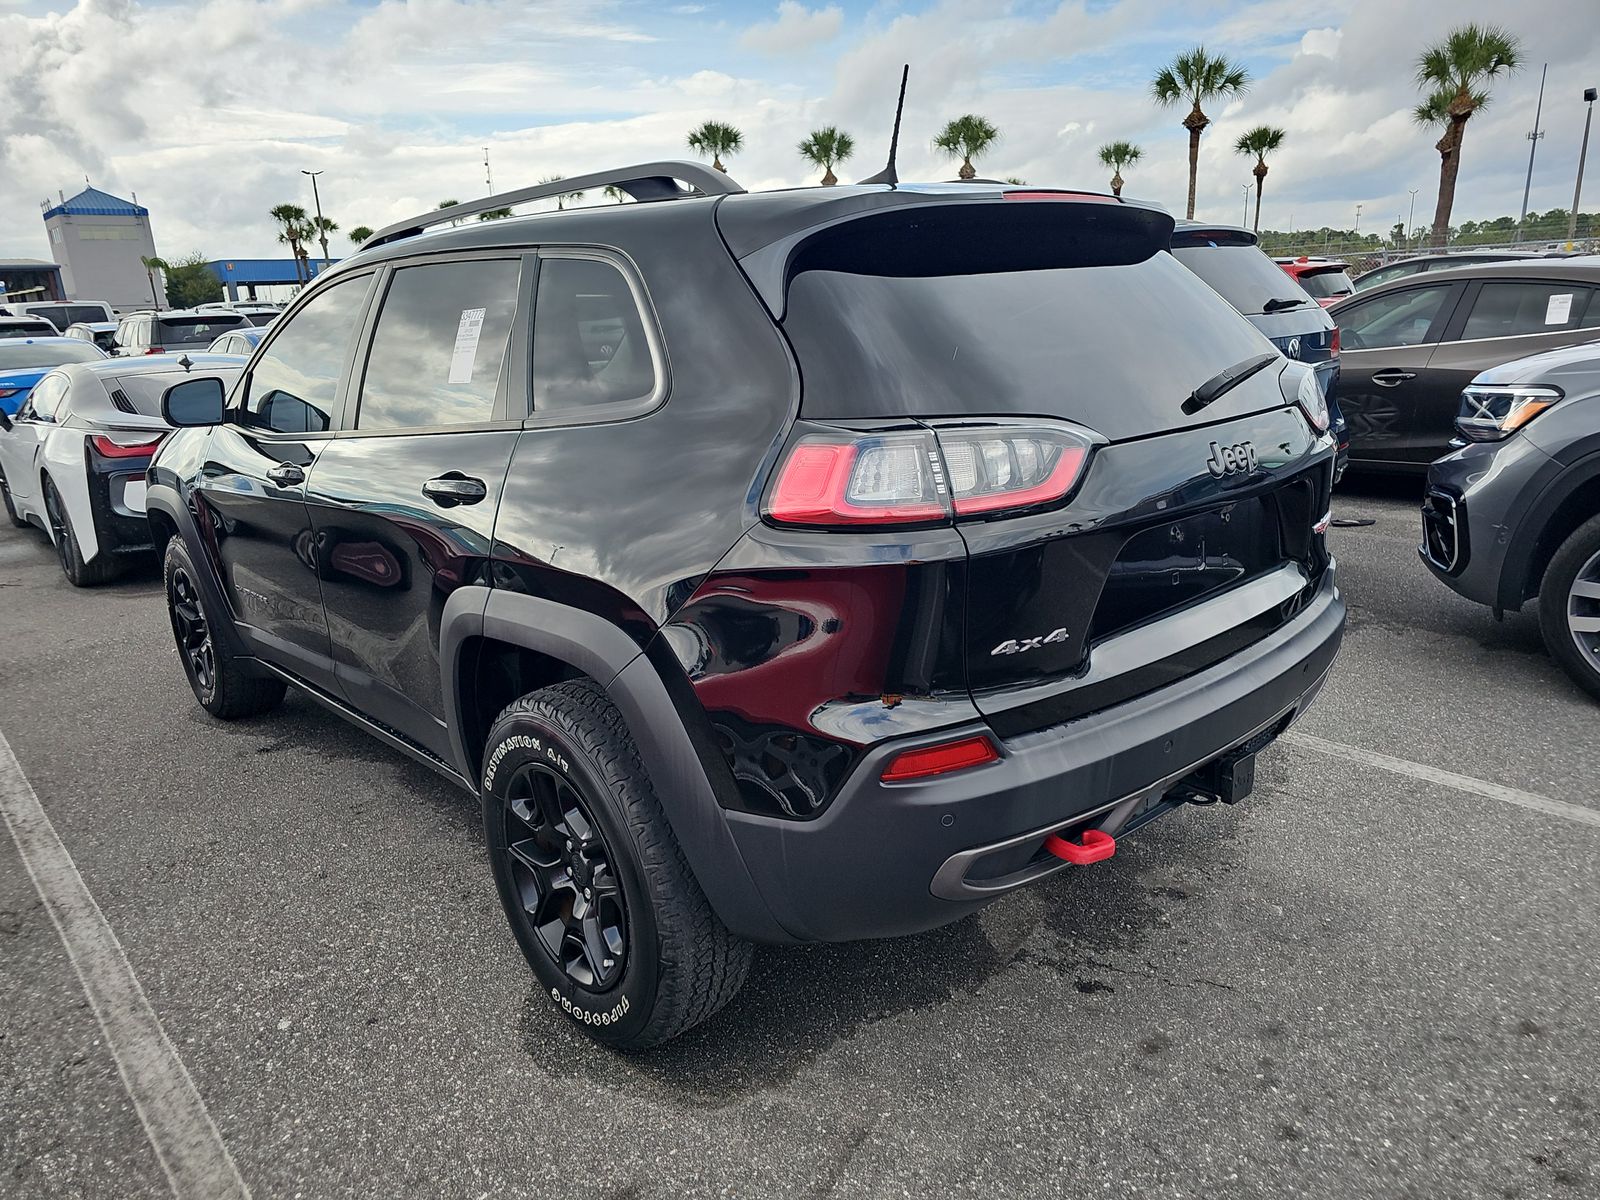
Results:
x,y
571,898
10,507
192,632
60,532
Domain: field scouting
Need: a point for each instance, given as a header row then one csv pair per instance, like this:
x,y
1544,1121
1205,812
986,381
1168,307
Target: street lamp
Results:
x,y
1577,188
1356,232
1533,145
1245,220
1410,215
322,232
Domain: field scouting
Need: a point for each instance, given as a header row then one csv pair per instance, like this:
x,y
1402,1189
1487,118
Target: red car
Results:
x,y
1326,280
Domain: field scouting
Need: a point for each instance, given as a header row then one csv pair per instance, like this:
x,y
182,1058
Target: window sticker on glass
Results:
x,y
467,334
1559,310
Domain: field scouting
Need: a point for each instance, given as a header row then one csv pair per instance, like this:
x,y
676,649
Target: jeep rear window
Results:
x,y
1240,273
1115,347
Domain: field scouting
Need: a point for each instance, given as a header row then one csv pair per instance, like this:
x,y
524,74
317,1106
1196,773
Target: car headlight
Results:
x,y
1312,402
1490,414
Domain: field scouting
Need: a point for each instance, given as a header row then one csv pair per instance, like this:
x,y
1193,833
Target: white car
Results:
x,y
73,459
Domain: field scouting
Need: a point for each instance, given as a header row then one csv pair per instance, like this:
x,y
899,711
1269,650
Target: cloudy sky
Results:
x,y
209,110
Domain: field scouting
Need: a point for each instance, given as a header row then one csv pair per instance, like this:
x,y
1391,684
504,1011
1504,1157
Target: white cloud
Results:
x,y
1324,42
797,29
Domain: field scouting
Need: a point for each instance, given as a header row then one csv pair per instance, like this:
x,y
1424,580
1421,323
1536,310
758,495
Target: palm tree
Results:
x,y
967,138
360,234
716,139
1117,155
294,229
494,214
1197,77
322,227
151,266
1260,141
825,148
450,204
1454,73
562,197
613,192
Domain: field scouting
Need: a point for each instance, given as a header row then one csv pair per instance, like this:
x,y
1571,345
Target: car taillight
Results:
x,y
1333,346
958,470
941,759
1307,394
156,350
6,393
106,448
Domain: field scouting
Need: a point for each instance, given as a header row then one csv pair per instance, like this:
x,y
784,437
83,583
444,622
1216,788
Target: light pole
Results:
x,y
1410,213
1245,220
1356,232
1577,188
322,232
1533,145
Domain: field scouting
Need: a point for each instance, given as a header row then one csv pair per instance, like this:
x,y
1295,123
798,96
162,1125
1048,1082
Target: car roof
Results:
x,y
50,340
24,319
1582,267
97,326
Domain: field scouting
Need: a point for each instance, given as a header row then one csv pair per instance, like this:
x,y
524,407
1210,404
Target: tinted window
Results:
x,y
1244,276
1397,319
261,318
46,396
1326,285
294,382
189,331
440,345
22,354
28,329
1513,308
589,344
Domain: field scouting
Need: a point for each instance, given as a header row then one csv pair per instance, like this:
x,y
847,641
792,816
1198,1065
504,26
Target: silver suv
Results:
x,y
176,330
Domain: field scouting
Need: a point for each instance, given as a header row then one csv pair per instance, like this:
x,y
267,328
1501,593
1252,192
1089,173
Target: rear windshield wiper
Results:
x,y
1225,381
1276,305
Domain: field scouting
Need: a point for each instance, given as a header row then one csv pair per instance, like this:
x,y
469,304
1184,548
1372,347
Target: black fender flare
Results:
x,y
164,498
607,655
1524,543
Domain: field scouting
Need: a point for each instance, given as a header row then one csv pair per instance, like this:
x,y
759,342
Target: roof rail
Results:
x,y
648,181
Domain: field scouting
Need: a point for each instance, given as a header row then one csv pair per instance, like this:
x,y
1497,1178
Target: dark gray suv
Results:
x,y
1514,514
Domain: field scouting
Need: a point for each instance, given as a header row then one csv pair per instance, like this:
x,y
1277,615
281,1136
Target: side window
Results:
x,y
589,344
440,345
1515,308
46,397
293,384
1396,319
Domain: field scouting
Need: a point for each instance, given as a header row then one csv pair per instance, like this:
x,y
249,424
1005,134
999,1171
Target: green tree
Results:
x,y
151,266
322,227
967,137
360,234
294,229
826,148
1117,155
190,282
613,192
1260,141
494,214
448,204
562,198
716,139
1197,78
1454,76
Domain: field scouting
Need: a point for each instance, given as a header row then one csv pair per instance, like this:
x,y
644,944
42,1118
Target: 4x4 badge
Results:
x,y
1225,460
1018,645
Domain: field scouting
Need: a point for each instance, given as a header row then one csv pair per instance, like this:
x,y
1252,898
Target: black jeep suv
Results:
x,y
809,565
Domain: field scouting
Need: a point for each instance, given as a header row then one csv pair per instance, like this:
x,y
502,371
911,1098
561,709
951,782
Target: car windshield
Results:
x,y
1243,276
190,331
19,356
28,329
1325,285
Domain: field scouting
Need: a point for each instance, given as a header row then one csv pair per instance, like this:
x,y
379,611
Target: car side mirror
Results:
x,y
194,402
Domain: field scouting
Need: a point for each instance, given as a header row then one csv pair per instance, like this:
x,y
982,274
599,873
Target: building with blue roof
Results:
x,y
99,240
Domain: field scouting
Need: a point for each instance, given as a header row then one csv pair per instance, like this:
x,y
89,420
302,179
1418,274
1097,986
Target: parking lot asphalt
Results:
x,y
1357,983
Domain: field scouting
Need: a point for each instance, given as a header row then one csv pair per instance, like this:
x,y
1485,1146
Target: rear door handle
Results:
x,y
286,475
453,488
1391,377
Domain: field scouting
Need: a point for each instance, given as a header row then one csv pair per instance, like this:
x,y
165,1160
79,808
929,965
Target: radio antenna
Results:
x,y
888,174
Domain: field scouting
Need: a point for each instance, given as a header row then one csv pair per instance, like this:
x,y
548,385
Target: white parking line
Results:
x,y
1464,783
180,1129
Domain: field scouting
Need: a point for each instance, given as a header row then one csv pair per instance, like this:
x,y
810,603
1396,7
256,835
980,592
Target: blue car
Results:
x,y
25,361
238,341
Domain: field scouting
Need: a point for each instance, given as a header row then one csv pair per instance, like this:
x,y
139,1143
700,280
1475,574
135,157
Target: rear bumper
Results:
x,y
889,859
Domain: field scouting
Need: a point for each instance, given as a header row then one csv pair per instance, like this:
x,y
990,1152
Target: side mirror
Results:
x,y
194,402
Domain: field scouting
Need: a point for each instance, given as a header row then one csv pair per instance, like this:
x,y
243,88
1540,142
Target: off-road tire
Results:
x,y
1571,557
227,689
681,964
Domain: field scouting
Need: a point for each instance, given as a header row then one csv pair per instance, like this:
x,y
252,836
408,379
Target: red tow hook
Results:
x,y
1095,846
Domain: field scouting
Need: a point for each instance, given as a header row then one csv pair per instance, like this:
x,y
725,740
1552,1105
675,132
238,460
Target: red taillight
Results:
x,y
1334,345
106,448
960,470
6,393
941,759
156,350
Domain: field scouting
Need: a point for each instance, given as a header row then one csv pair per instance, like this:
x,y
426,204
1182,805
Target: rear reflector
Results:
x,y
941,760
106,448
